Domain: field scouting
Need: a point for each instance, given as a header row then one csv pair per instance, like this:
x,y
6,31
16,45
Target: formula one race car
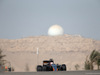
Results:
x,y
48,65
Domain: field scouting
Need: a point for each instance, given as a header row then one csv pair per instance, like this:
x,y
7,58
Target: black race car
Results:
x,y
48,65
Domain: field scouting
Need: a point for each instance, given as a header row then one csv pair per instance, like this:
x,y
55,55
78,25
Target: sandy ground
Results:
x,y
66,49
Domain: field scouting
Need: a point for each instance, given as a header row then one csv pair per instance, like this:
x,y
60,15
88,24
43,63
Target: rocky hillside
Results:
x,y
68,49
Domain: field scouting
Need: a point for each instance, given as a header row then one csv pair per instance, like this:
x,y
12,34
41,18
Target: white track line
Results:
x,y
93,73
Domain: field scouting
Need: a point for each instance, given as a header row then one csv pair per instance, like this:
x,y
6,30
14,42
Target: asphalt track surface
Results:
x,y
53,73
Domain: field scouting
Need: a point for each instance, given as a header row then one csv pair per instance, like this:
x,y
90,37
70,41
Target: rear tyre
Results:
x,y
59,67
44,68
39,68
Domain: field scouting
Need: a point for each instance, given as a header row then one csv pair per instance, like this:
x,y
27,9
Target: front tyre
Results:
x,y
63,67
39,68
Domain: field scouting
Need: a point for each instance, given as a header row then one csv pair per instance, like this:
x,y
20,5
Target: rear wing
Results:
x,y
45,62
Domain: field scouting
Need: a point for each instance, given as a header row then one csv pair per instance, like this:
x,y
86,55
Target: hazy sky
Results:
x,y
23,18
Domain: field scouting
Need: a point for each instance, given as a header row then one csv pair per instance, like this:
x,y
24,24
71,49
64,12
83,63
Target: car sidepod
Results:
x,y
54,67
